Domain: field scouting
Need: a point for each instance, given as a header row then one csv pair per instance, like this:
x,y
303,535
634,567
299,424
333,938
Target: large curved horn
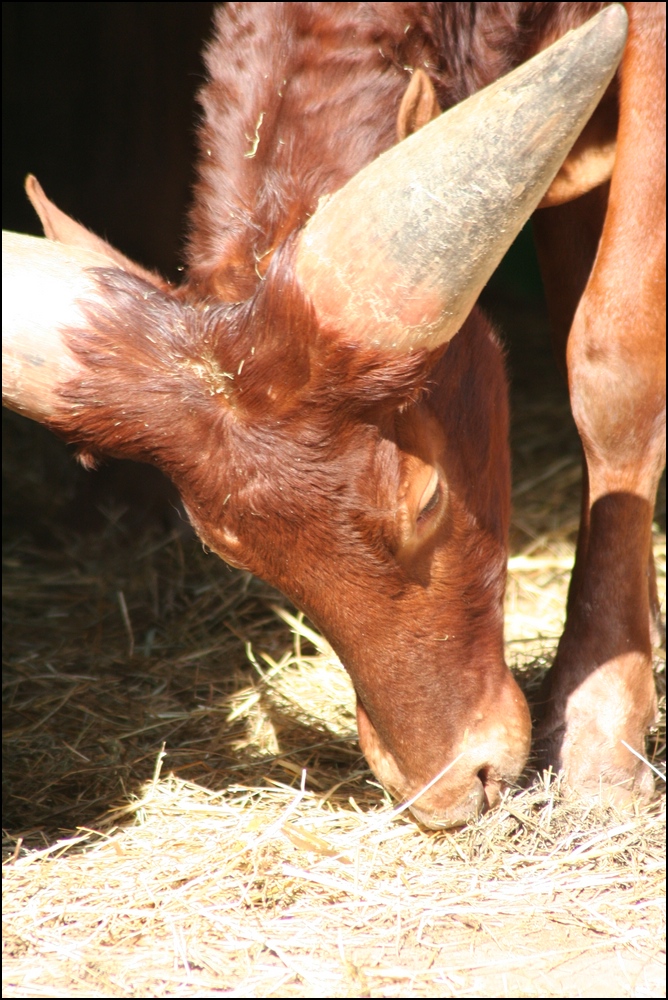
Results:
x,y
399,255
42,283
45,285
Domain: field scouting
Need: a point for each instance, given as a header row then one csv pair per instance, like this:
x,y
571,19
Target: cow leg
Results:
x,y
600,691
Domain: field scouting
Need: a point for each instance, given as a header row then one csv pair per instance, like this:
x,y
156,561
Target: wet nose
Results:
x,y
482,792
467,810
475,765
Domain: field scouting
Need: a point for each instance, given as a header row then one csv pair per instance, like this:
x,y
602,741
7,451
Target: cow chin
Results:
x,y
485,761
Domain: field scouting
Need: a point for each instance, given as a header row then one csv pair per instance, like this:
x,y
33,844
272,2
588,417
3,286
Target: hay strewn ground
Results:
x,y
255,855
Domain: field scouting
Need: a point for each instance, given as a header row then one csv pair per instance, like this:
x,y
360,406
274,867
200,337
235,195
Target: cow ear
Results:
x,y
418,106
60,228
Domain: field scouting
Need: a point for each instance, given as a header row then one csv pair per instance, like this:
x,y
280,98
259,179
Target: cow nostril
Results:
x,y
491,787
483,774
489,790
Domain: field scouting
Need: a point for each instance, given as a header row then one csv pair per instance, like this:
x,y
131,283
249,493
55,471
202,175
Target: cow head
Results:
x,y
327,433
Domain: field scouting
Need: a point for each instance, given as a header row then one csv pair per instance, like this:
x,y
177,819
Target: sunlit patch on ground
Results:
x,y
187,811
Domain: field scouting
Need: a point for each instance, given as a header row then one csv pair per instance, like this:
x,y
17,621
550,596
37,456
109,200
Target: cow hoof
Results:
x,y
597,785
595,767
615,779
595,732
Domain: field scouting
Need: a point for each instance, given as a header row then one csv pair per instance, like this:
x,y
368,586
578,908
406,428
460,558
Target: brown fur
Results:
x,y
295,453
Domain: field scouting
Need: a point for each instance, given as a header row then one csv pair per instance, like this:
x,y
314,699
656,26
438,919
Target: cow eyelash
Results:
x,y
431,504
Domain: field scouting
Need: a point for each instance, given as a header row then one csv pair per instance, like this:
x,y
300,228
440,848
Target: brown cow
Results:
x,y
303,388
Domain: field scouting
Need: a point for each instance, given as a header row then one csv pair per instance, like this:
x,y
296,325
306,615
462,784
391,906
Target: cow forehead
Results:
x,y
277,487
295,471
365,458
291,500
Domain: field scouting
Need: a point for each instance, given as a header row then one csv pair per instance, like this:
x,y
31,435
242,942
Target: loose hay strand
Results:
x,y
194,817
267,881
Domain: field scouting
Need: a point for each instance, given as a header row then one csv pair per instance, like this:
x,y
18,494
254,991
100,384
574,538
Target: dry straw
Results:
x,y
190,815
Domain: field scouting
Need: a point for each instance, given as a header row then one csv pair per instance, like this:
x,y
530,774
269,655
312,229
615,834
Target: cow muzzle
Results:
x,y
451,787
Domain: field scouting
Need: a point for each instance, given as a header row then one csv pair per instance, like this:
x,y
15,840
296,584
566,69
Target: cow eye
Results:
x,y
430,498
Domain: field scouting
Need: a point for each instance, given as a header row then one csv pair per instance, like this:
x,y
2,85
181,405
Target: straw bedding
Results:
x,y
188,812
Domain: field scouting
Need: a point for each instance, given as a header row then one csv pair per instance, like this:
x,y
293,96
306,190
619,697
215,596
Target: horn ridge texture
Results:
x,y
399,255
